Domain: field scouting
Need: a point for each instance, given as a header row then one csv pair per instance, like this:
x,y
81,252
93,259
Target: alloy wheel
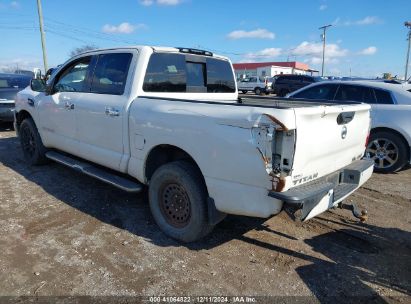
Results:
x,y
383,151
28,142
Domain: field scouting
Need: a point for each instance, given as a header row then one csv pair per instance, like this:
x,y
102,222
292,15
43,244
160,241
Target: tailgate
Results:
x,y
328,138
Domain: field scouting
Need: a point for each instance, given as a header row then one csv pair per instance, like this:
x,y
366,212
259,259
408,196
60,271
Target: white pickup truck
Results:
x,y
171,119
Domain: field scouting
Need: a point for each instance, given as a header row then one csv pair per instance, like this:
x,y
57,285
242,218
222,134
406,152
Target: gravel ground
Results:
x,y
65,234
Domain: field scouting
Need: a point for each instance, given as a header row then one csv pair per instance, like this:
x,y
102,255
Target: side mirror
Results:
x,y
38,85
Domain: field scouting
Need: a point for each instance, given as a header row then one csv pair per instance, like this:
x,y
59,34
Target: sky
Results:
x,y
367,38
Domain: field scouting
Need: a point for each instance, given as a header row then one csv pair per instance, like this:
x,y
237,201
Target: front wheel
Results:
x,y
33,149
283,92
178,201
257,91
388,151
244,91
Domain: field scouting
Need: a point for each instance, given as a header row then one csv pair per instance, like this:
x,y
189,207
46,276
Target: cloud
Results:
x,y
263,54
335,71
313,51
122,28
371,50
146,2
316,49
257,34
168,2
369,20
11,64
322,7
15,4
319,60
160,2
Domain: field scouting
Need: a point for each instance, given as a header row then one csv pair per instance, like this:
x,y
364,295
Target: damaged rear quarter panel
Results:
x,y
217,136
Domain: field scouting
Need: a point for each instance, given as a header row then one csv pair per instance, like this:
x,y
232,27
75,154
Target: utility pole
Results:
x,y
324,28
408,25
43,40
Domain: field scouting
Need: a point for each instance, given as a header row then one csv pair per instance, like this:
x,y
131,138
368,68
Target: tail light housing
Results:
x,y
367,140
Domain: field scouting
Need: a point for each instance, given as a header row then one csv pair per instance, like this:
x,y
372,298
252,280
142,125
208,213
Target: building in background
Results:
x,y
270,69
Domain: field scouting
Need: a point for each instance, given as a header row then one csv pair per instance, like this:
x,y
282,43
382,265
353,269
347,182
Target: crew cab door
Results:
x,y
101,112
57,108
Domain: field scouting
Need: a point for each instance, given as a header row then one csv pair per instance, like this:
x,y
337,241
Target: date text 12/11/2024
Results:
x,y
202,299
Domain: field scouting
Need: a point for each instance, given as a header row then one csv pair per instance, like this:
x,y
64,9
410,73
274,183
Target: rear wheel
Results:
x,y
283,92
244,92
33,149
178,201
257,91
388,150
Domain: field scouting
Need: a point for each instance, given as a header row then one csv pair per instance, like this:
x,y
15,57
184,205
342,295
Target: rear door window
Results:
x,y
355,93
383,97
166,73
325,91
110,73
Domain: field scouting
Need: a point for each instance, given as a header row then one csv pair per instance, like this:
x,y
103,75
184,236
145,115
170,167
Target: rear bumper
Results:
x,y
319,195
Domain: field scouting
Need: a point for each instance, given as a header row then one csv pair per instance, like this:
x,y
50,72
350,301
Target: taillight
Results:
x,y
367,140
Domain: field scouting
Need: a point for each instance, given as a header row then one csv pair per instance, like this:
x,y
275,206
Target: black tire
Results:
x,y
388,150
283,92
244,92
179,185
257,91
33,149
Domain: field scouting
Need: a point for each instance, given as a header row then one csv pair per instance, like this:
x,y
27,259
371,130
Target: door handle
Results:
x,y
30,102
112,112
69,106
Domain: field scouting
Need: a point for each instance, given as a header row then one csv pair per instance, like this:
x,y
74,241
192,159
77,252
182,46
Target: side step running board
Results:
x,y
96,172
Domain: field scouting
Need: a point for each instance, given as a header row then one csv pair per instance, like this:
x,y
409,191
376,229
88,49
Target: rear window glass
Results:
x,y
308,79
195,74
16,82
355,93
280,80
220,77
110,74
383,97
318,92
171,73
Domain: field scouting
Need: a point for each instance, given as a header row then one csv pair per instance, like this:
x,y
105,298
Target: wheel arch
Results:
x,y
166,153
20,116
